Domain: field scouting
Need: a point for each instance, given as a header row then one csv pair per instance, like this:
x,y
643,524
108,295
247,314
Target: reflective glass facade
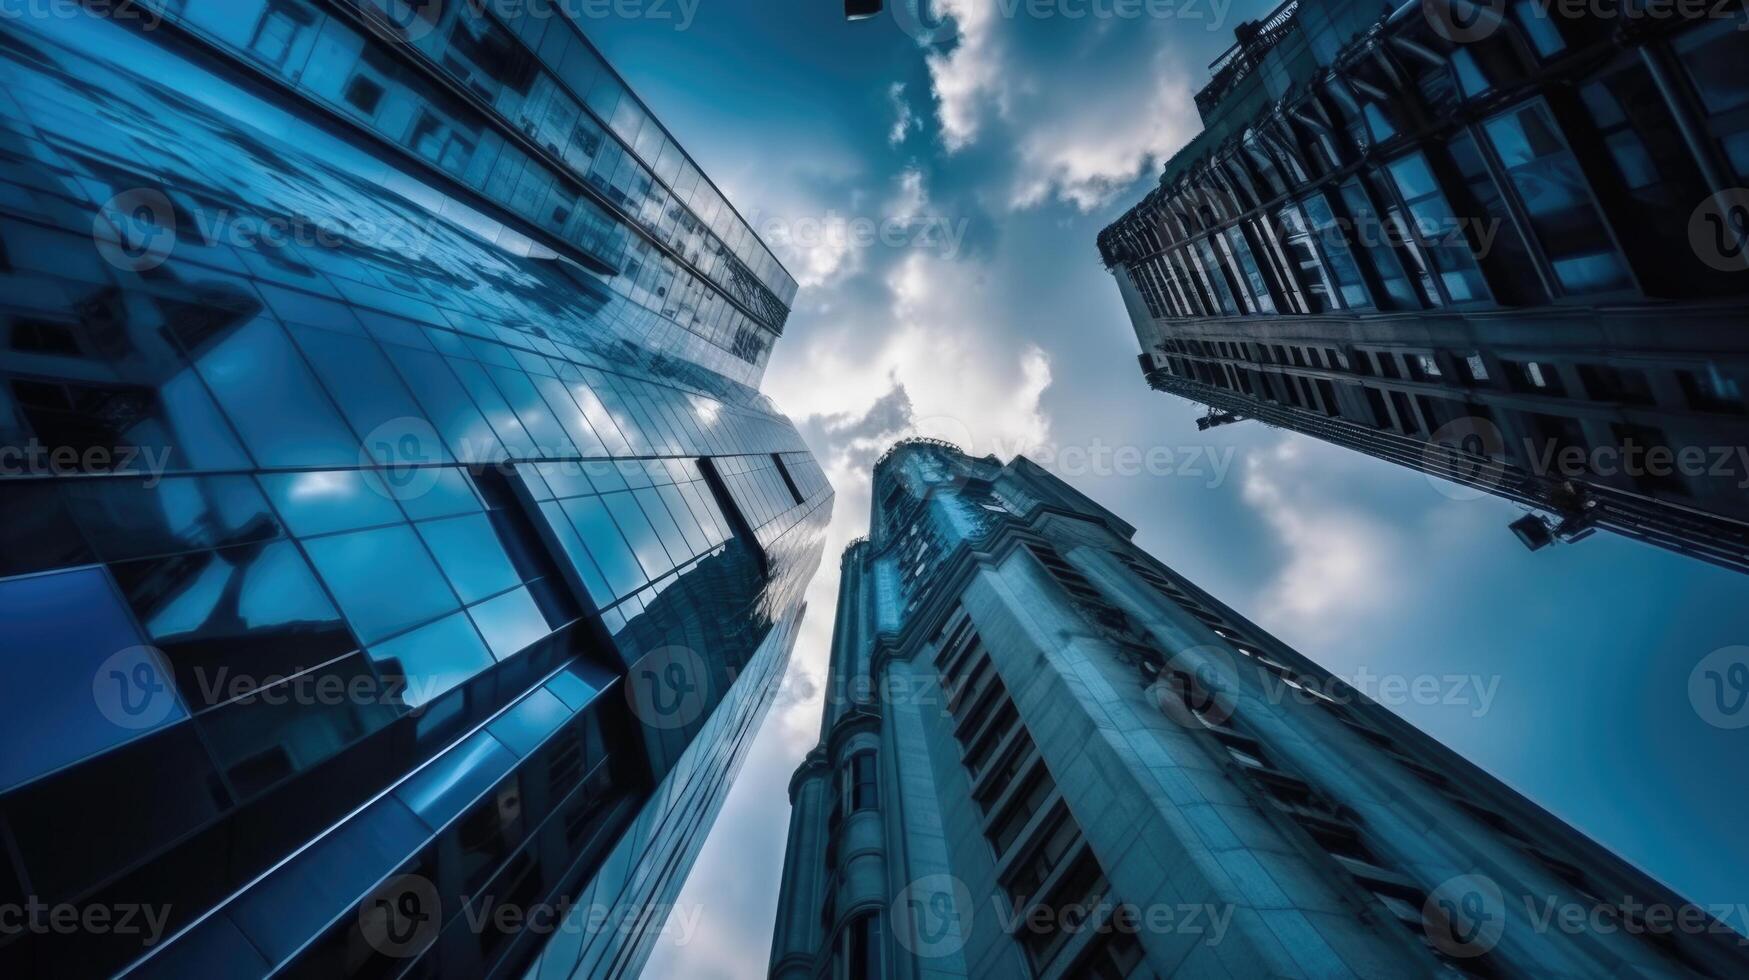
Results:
x,y
1388,223
394,544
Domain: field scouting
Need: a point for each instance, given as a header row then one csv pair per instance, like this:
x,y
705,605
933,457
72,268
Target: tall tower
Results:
x,y
1506,246
396,552
1045,753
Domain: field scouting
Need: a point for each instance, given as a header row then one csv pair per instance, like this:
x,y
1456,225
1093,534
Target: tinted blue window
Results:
x,y
282,414
361,380
509,623
524,726
433,659
639,534
441,791
696,541
447,405
319,502
578,555
663,522
504,421
601,536
68,685
232,619
383,580
126,519
438,492
467,550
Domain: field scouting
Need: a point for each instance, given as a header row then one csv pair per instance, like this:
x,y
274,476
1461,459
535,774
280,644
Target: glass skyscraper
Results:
x,y
1506,244
1045,753
396,552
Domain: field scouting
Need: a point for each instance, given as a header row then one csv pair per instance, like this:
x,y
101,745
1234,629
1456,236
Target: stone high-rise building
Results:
x,y
1493,242
1047,754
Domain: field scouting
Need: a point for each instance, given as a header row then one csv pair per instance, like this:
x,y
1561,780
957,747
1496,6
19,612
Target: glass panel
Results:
x,y
124,519
283,415
433,659
1438,228
510,622
383,579
336,500
601,536
1557,199
69,638
639,534
467,550
233,619
1343,269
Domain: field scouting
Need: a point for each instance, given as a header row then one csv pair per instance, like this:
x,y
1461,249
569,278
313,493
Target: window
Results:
x,y
1557,200
1713,56
365,94
1374,240
1494,234
1438,229
1319,291
1711,390
1020,809
1473,368
862,958
1612,384
1342,266
864,792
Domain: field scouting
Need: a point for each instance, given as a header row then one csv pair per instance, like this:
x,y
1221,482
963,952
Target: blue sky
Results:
x,y
990,161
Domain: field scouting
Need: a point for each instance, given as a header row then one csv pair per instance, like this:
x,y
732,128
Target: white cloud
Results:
x,y
970,74
1088,112
904,120
1340,563
1089,156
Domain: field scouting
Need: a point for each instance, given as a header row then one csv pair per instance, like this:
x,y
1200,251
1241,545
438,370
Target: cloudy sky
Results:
x,y
937,191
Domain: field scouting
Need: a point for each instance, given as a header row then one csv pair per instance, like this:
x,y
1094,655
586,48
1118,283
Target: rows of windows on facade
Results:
x,y
1395,233
378,411
1065,761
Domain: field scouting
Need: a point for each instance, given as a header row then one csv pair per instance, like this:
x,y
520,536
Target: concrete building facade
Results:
x,y
1045,753
1505,244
